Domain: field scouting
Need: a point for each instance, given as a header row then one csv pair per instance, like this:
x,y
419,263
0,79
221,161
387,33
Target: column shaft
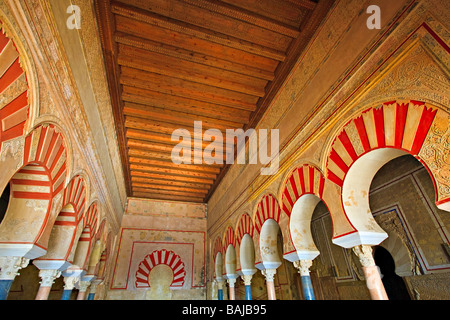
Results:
x,y
308,291
248,292
66,294
5,285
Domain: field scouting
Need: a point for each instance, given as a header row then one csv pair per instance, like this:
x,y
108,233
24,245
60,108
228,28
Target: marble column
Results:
x,y
9,267
69,284
232,293
48,276
248,289
270,274
371,273
83,286
303,268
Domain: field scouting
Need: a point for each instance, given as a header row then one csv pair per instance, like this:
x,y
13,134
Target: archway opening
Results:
x,y
4,201
393,283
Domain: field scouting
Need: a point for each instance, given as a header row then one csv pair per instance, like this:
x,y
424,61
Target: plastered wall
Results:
x,y
160,252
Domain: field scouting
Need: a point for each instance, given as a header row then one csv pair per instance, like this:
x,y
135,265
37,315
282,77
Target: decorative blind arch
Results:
x,y
392,125
218,247
229,238
306,179
75,195
14,108
156,258
245,226
267,208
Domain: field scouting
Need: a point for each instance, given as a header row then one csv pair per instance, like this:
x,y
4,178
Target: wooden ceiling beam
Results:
x,y
147,175
261,44
148,112
150,195
166,182
193,44
179,87
180,104
161,155
307,4
192,56
168,192
253,18
166,139
171,165
169,128
189,71
168,188
172,172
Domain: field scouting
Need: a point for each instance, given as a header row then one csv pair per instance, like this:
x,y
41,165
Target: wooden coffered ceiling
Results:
x,y
172,62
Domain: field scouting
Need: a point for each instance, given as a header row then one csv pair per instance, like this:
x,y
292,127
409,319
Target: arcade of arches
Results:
x,y
92,207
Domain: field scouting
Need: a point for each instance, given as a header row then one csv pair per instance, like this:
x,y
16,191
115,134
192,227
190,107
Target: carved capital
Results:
x,y
231,282
303,266
364,253
247,279
269,274
9,267
219,284
69,282
48,277
83,285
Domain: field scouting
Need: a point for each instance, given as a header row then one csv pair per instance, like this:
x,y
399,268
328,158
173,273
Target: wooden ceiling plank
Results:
x,y
280,10
145,186
166,197
169,128
169,192
166,139
148,181
171,165
187,89
222,8
192,56
173,172
196,18
161,155
189,71
141,111
307,4
140,174
189,106
188,36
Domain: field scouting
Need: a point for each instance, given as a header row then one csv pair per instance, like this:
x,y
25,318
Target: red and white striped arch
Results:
x,y
245,226
267,208
400,125
44,170
306,179
156,258
90,223
218,247
75,195
229,238
13,91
